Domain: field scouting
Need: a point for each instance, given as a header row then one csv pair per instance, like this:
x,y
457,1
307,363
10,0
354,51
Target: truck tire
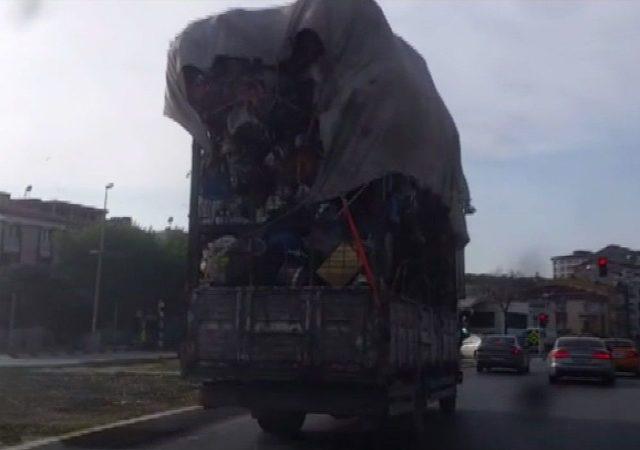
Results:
x,y
281,423
373,427
448,404
419,410
206,396
374,422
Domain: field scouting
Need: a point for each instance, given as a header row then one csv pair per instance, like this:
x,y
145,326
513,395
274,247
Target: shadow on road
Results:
x,y
469,431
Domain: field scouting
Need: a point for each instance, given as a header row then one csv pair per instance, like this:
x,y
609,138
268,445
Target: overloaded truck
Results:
x,y
327,215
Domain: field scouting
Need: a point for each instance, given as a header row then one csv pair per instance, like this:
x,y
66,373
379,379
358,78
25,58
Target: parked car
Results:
x,y
470,345
502,351
625,355
581,357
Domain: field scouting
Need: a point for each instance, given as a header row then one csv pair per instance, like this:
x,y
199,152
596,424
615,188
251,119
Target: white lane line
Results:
x,y
99,428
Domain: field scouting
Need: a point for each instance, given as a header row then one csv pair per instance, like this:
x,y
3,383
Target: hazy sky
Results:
x,y
546,97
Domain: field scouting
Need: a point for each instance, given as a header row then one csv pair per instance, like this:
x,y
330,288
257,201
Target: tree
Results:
x,y
503,295
44,300
139,269
503,290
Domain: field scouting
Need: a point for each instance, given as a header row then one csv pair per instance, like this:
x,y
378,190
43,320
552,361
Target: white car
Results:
x,y
470,346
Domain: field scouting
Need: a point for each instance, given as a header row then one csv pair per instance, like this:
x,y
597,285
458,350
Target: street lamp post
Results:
x,y
96,292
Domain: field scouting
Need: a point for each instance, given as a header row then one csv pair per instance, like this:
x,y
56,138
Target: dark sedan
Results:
x,y
502,351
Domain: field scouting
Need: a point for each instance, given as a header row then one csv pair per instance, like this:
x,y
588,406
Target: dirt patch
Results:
x,y
36,403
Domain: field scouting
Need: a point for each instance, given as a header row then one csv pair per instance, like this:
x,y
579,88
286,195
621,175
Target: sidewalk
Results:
x,y
7,361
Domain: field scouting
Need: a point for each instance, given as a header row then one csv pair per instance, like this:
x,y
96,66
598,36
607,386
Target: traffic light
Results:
x,y
543,320
603,269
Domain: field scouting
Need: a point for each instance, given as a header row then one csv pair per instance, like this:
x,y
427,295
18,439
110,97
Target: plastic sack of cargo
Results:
x,y
310,101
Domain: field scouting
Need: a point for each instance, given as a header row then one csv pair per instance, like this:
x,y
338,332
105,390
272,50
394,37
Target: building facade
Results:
x,y
623,275
573,307
29,227
564,266
29,236
486,317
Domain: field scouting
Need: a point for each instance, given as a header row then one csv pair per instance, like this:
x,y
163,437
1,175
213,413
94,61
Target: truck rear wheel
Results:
x,y
281,423
206,396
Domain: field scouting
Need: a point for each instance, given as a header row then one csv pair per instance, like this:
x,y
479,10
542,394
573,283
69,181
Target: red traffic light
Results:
x,y
543,319
603,261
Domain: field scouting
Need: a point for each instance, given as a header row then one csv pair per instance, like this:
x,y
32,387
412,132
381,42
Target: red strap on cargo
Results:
x,y
361,253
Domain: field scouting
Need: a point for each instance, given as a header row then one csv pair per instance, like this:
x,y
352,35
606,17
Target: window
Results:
x,y
11,238
619,343
580,343
482,319
45,243
516,320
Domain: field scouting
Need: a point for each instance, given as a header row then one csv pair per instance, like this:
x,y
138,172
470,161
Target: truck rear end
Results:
x,y
326,220
318,350
248,334
295,340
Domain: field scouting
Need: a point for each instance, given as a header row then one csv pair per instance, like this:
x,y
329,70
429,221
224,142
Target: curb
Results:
x,y
88,363
142,431
124,362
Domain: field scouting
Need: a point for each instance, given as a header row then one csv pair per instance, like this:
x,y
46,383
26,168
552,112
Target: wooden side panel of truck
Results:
x,y
320,350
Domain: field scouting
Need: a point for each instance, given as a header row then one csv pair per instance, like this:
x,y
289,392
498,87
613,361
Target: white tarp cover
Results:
x,y
378,108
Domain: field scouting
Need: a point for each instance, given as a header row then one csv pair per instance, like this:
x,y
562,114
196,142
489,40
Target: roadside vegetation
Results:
x,y
36,403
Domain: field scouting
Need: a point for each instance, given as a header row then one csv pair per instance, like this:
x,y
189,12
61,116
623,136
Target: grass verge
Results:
x,y
36,403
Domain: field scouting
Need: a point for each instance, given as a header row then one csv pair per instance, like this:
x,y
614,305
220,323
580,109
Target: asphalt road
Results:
x,y
502,411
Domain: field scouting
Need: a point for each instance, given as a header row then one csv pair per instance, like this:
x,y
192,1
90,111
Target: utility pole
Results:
x,y
160,325
96,292
115,316
624,289
12,320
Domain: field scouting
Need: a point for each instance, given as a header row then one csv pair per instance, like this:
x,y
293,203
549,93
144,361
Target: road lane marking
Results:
x,y
100,428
